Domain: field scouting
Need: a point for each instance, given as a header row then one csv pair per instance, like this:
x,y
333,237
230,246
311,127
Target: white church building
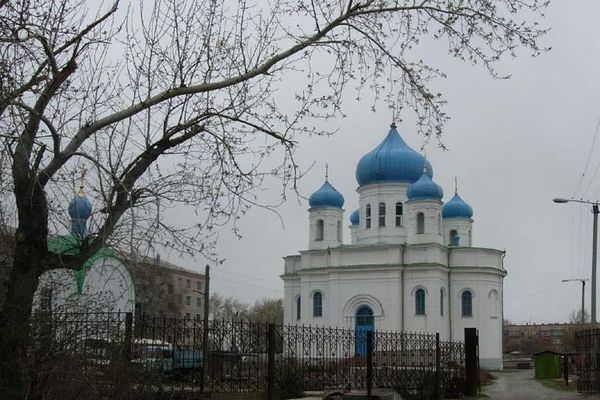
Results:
x,y
411,264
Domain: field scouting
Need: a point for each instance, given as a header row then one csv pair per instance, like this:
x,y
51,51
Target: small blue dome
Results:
x,y
80,207
326,196
355,217
392,161
457,208
425,189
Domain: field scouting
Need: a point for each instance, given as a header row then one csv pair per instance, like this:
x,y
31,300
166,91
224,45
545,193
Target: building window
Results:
x,y
198,317
320,229
381,214
298,308
420,223
454,238
317,304
439,224
399,213
199,285
188,283
420,302
187,315
442,302
339,231
46,299
180,299
368,216
467,303
188,300
470,239
198,301
170,289
179,283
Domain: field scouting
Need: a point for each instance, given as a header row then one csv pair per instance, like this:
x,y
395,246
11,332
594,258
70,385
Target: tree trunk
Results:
x,y
29,259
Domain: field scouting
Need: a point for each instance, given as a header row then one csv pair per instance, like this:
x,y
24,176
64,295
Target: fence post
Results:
x,y
369,363
205,328
437,367
271,362
566,368
128,336
471,343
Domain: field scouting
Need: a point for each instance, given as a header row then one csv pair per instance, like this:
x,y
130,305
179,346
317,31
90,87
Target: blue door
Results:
x,y
364,323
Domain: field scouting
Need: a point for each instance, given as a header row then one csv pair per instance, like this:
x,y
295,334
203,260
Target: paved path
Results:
x,y
520,385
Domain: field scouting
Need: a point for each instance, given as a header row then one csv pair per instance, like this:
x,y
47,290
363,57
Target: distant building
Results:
x,y
534,338
411,264
110,281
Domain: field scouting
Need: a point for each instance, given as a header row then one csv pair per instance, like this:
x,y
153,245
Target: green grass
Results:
x,y
558,384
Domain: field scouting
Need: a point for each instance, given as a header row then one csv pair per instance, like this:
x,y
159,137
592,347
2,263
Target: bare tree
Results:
x,y
196,103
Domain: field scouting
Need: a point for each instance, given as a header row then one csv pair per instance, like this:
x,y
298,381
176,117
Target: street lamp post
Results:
x,y
594,247
582,295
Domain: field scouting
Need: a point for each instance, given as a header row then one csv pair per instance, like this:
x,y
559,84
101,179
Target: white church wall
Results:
x,y
490,329
426,254
431,279
61,285
476,257
108,287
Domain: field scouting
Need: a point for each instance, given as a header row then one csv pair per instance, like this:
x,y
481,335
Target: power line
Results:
x,y
589,156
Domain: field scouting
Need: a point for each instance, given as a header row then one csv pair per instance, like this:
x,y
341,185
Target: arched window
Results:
x,y
381,214
467,303
320,230
298,308
399,213
454,238
368,216
317,304
420,302
439,224
339,231
470,238
420,222
442,302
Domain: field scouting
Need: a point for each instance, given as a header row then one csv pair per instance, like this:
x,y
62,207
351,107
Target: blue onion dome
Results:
x,y
355,217
392,161
326,196
425,189
457,208
80,207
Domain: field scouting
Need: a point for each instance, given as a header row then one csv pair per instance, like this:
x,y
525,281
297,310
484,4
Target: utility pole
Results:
x,y
594,258
582,316
595,212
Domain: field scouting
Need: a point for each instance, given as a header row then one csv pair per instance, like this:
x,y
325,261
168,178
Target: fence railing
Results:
x,y
171,356
587,344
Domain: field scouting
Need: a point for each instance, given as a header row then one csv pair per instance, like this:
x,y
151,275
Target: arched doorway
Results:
x,y
365,322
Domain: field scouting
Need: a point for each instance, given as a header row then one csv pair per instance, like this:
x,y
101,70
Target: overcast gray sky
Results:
x,y
513,144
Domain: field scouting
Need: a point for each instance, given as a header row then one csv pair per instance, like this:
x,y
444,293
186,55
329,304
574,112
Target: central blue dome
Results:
x,y
326,196
392,161
425,189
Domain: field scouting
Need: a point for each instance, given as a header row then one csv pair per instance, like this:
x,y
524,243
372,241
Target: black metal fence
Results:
x,y
171,358
587,344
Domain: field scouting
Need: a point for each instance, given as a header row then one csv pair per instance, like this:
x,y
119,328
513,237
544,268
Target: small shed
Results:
x,y
547,365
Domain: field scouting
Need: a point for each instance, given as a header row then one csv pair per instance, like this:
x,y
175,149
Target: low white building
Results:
x,y
411,264
113,282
